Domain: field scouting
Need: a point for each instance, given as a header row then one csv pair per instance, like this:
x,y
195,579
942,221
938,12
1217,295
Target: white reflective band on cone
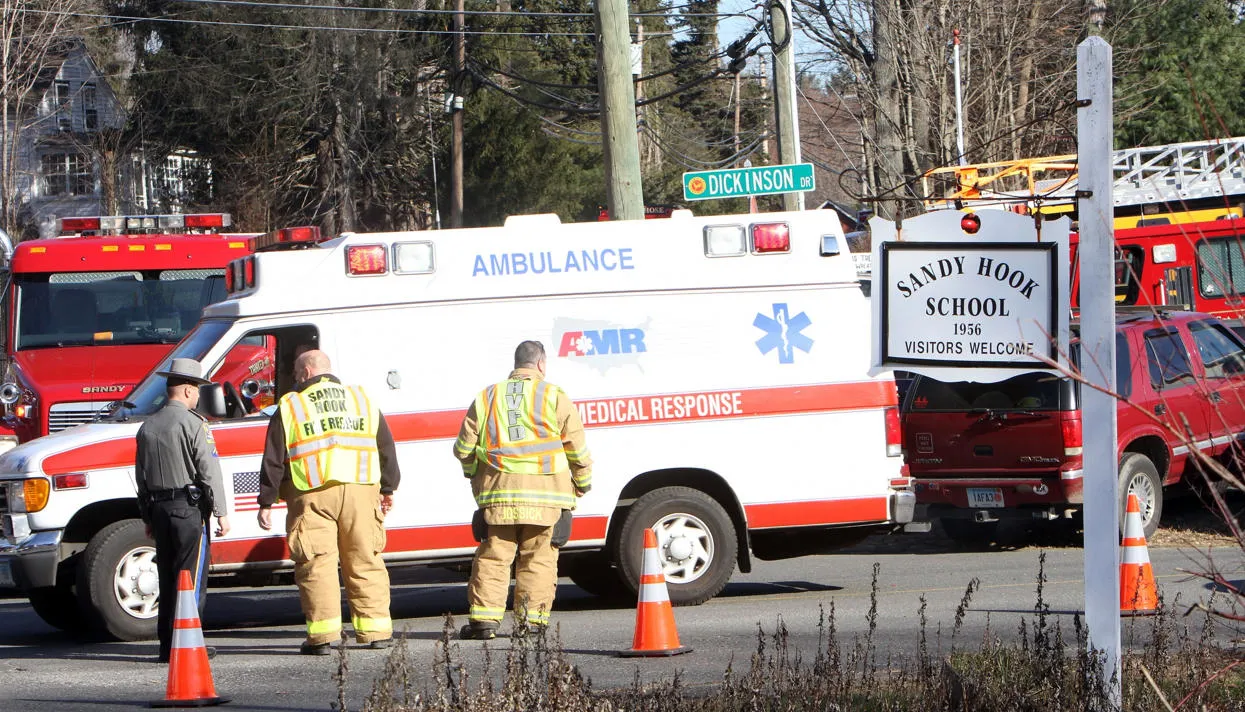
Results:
x,y
652,562
1135,555
187,605
654,593
187,638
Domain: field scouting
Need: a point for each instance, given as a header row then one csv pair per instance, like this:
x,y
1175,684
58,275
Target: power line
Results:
x,y
375,30
423,11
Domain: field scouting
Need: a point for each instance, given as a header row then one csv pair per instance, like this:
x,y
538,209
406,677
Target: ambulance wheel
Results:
x,y
594,574
695,541
58,607
118,585
1139,476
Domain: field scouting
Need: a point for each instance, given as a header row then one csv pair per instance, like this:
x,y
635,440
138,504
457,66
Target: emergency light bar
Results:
x,y
143,224
288,238
735,240
240,274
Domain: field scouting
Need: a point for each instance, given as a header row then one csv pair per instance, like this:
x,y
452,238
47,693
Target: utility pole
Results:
x,y
959,106
737,104
784,93
456,109
618,126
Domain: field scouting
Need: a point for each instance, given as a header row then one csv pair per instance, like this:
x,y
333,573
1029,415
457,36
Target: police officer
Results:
x,y
179,487
329,453
522,445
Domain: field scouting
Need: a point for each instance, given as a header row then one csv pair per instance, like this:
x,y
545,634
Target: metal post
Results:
x,y
959,105
784,93
1096,257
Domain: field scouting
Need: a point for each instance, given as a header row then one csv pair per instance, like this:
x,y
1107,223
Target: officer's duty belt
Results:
x,y
168,495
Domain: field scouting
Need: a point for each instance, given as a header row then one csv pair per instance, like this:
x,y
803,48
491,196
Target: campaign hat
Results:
x,y
185,369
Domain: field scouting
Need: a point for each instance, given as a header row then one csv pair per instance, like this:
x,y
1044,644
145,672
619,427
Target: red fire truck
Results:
x,y
89,313
1179,216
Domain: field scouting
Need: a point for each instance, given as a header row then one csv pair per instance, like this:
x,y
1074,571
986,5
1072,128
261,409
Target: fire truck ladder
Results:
x,y
1152,174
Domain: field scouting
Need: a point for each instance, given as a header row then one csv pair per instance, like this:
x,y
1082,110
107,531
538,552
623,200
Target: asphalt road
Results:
x,y
257,630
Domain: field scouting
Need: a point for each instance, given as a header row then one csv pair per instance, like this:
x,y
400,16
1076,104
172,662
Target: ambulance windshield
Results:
x,y
149,395
111,308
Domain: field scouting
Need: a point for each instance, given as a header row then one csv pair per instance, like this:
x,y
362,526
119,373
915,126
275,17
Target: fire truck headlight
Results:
x,y
10,393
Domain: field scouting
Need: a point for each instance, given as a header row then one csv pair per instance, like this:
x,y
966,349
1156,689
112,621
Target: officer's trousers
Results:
x,y
181,544
536,575
343,518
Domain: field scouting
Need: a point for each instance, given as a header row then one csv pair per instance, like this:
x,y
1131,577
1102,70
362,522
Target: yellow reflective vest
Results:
x,y
520,438
330,435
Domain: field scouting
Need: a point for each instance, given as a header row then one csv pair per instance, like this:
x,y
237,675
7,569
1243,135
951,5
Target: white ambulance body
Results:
x,y
719,365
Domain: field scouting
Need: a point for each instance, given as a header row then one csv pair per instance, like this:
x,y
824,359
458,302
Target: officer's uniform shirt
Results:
x,y
175,449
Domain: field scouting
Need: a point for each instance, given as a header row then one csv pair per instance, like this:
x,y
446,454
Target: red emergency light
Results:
x,y
79,224
366,260
248,271
288,238
771,237
207,220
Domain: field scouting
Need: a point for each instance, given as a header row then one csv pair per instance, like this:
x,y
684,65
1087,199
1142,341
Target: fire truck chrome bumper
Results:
x,y
903,506
30,562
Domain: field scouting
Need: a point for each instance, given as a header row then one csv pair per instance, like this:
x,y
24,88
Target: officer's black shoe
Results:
x,y
316,649
473,631
381,644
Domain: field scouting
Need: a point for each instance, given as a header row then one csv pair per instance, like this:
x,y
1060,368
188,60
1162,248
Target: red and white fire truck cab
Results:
x,y
1197,265
90,312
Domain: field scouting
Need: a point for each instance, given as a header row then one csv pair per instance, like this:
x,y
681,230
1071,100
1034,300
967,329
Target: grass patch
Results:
x,y
1179,665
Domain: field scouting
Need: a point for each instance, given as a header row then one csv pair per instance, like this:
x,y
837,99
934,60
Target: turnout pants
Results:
x,y
536,575
322,523
181,544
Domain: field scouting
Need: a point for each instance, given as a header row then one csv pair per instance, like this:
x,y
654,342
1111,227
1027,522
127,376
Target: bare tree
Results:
x,y
1017,70
32,33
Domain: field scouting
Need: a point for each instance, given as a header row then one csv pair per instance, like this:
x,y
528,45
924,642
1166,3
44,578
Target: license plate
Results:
x,y
985,497
6,576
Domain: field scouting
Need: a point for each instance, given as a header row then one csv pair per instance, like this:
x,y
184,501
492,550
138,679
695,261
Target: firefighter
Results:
x,y
179,488
522,445
330,455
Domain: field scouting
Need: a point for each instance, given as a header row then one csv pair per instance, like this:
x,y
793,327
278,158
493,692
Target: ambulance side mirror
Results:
x,y
212,400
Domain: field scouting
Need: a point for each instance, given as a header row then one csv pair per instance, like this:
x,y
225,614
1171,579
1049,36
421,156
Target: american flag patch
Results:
x,y
246,492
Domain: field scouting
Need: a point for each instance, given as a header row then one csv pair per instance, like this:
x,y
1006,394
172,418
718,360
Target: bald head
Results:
x,y
310,364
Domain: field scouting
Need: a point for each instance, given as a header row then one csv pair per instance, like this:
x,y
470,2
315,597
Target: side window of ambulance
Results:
x,y
259,367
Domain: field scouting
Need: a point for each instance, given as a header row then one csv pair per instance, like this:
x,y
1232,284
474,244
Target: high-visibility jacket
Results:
x,y
517,460
330,435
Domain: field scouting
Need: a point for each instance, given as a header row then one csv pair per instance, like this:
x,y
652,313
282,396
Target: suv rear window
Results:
x,y
1031,391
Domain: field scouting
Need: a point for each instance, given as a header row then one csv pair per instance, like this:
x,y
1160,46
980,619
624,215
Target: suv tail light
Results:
x,y
1070,423
894,434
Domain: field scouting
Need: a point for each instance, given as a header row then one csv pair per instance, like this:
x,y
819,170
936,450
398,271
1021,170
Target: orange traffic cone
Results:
x,y
190,675
655,634
1138,592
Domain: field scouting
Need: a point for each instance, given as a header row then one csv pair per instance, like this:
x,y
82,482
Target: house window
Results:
x,y
89,113
67,174
64,119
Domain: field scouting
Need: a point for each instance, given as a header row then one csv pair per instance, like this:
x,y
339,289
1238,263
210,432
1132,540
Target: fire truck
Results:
x,y
89,313
1179,216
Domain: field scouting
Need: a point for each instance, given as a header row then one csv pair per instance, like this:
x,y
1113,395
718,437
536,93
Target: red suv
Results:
x,y
983,452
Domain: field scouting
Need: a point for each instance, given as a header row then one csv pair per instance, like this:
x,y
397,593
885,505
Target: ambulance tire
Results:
x,y
58,607
117,546
705,530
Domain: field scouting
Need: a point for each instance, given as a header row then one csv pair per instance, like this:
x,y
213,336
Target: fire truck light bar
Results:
x,y
143,224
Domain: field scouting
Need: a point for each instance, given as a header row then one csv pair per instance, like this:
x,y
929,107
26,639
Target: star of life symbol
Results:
x,y
782,332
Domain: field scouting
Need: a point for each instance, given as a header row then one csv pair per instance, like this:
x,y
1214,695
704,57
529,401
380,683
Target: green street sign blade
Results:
x,y
737,182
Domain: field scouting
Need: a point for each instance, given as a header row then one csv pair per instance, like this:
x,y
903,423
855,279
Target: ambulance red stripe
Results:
x,y
443,424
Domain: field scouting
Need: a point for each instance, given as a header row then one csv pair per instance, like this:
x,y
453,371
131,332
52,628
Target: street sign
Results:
x,y
738,182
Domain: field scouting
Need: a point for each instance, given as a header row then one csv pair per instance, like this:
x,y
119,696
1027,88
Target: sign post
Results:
x,y
1096,256
741,182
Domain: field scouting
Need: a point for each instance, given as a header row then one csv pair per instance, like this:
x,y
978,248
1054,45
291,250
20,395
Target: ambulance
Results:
x,y
719,365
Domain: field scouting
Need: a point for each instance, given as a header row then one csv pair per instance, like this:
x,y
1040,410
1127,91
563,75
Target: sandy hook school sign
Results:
x,y
956,305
